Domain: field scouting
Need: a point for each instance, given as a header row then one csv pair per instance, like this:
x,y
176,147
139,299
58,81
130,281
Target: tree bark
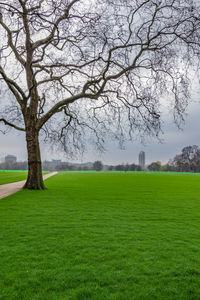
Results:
x,y
35,179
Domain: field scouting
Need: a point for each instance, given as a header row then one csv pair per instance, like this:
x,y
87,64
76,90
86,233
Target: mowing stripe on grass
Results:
x,y
118,236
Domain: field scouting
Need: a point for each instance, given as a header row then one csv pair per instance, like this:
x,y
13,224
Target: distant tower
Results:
x,y
142,159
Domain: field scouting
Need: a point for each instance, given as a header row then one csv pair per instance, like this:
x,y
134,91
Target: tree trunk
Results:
x,y
35,179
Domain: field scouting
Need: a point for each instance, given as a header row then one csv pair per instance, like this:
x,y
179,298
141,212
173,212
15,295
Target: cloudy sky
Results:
x,y
173,140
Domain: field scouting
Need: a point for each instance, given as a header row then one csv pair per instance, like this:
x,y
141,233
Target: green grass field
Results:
x,y
12,176
102,236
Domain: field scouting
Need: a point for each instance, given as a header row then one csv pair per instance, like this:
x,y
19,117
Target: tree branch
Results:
x,y
55,25
61,103
12,125
14,88
10,42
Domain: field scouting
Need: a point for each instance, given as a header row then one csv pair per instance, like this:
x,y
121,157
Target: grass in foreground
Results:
x,y
102,236
12,176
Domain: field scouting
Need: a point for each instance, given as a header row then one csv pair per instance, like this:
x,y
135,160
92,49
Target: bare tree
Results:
x,y
70,67
97,165
188,160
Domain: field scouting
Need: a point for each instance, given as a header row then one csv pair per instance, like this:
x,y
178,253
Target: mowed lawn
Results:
x,y
12,176
102,236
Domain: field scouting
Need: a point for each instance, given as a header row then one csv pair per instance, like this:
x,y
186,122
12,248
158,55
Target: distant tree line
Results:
x,y
23,165
71,167
96,166
64,166
125,167
187,161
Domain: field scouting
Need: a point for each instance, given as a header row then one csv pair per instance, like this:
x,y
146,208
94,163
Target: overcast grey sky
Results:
x,y
173,141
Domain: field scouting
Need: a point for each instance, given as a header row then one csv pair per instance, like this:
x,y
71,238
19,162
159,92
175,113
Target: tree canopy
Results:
x,y
75,68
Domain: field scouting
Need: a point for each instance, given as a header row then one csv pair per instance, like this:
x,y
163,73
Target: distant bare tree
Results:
x,y
155,166
97,165
71,67
188,160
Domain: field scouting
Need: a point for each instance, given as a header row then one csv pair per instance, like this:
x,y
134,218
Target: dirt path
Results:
x,y
11,188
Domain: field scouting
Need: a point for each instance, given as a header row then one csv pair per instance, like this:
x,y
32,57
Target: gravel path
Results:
x,y
11,188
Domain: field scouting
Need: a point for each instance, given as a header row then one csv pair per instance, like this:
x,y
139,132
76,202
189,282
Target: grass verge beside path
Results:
x,y
13,176
102,236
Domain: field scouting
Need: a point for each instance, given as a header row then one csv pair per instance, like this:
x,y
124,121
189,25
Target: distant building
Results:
x,y
10,159
142,159
56,161
51,165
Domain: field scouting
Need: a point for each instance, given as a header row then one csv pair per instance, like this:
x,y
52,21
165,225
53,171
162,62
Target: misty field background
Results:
x,y
102,235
